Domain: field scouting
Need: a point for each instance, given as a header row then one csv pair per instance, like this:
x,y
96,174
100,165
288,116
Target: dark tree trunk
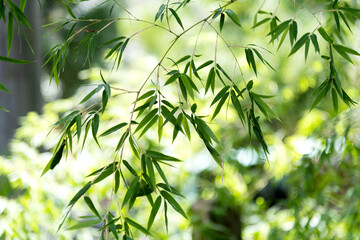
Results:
x,y
22,80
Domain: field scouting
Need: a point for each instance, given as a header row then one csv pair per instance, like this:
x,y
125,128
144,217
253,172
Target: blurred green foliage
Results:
x,y
306,188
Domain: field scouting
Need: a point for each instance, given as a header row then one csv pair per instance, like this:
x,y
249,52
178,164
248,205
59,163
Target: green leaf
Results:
x,y
283,37
154,211
172,78
149,125
216,156
222,20
218,107
146,119
160,11
205,64
342,53
205,129
113,129
334,99
160,156
12,60
233,17
79,194
260,23
87,97
104,101
264,108
324,34
161,172
176,17
210,79
182,60
307,45
293,32
130,168
57,156
186,81
320,96
250,59
299,43
237,106
275,33
131,191
137,226
173,203
315,42
186,128
3,88
346,49
170,189
165,217
337,21
68,9
4,109
91,206
10,32
170,116
85,224
345,21
95,126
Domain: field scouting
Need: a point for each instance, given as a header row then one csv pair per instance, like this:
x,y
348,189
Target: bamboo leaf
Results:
x,y
154,211
12,60
233,17
299,43
173,203
113,129
146,119
10,32
137,226
160,156
334,99
315,43
176,17
324,34
218,107
84,224
131,191
91,206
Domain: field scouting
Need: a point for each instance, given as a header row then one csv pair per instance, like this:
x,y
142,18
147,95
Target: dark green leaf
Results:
x,y
324,34
160,11
221,103
57,156
337,21
205,64
3,88
68,9
160,156
176,17
149,125
334,99
210,79
237,106
79,194
161,172
10,32
129,167
12,60
154,211
137,226
299,43
315,42
260,23
222,20
113,129
146,119
87,97
131,191
173,203
233,17
91,206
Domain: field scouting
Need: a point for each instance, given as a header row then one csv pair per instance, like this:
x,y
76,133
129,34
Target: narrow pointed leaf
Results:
x,y
154,211
173,203
176,17
233,17
92,206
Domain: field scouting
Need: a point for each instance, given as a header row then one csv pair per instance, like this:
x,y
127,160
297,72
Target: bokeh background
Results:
x,y
306,189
